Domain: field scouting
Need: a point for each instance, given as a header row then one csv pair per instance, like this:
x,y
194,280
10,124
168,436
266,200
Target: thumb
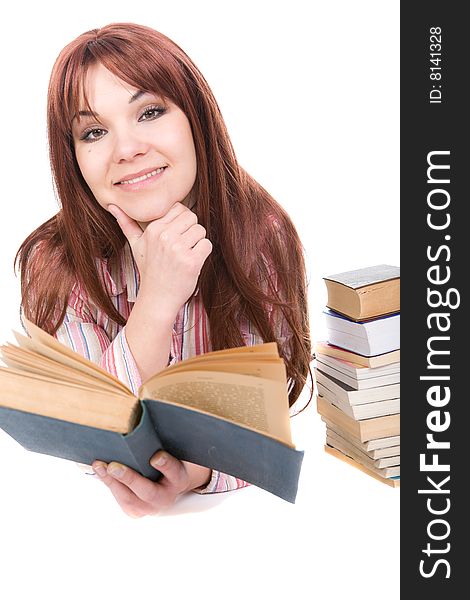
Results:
x,y
171,468
130,228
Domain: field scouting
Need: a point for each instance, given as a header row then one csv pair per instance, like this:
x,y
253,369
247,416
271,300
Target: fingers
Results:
x,y
172,469
183,233
202,250
130,228
178,219
127,500
192,236
133,491
176,210
176,222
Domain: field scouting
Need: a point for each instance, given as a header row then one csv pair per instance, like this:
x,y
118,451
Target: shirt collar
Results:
x,y
121,276
130,275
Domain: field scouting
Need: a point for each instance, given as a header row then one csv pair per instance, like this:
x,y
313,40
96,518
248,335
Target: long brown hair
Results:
x,y
251,234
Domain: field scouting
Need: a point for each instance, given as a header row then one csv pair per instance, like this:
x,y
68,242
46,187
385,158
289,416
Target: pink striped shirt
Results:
x,y
90,332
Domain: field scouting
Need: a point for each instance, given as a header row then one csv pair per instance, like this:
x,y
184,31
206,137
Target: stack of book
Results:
x,y
358,370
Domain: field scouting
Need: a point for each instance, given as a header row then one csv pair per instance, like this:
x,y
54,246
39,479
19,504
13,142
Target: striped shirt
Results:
x,y
90,332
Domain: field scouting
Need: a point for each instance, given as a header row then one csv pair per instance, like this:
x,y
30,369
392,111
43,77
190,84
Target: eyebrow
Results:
x,y
133,98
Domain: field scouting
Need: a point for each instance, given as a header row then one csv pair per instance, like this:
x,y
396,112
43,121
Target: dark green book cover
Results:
x,y
186,433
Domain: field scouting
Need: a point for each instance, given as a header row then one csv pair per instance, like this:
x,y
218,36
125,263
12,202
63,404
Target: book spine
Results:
x,y
142,443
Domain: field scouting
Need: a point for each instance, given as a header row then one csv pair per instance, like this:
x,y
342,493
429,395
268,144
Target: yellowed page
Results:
x,y
263,352
209,359
251,401
33,377
61,354
268,348
25,360
69,402
231,360
274,371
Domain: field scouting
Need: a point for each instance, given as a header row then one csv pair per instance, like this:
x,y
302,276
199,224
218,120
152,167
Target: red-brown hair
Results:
x,y
250,232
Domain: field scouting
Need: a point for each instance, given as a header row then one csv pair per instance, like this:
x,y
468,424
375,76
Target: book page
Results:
x,y
254,402
274,369
66,356
69,402
209,358
30,362
269,348
259,352
367,276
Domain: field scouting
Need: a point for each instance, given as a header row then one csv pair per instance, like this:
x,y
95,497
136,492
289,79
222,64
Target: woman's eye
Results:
x,y
151,113
91,135
96,133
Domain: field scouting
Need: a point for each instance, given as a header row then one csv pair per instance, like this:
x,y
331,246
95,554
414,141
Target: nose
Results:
x,y
128,144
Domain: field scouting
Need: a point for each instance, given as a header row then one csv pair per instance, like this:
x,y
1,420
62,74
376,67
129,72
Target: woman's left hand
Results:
x,y
139,496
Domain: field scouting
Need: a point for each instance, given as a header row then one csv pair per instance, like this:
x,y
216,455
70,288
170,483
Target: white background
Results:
x,y
310,95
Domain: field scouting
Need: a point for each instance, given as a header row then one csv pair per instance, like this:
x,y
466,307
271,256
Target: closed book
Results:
x,y
362,411
379,462
326,349
359,372
351,396
365,430
226,410
359,382
365,293
368,338
361,458
386,446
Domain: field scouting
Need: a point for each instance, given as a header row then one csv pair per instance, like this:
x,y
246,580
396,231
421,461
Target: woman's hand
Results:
x,y
139,496
169,254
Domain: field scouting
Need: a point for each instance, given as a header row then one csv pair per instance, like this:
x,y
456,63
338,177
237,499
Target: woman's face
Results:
x,y
140,155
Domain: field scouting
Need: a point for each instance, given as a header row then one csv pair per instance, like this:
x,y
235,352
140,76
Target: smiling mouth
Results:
x,y
141,178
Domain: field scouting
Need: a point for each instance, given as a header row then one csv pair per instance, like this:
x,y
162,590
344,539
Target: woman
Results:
x,y
163,247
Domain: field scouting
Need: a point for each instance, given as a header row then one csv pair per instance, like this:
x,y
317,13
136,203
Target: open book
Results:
x,y
226,410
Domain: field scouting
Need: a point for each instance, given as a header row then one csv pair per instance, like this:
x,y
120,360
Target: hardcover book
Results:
x,y
227,410
326,349
365,293
368,338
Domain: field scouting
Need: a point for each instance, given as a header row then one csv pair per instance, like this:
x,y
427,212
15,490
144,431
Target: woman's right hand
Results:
x,y
169,254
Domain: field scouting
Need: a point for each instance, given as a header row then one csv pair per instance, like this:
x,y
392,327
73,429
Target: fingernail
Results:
x,y
116,470
112,209
159,461
99,470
